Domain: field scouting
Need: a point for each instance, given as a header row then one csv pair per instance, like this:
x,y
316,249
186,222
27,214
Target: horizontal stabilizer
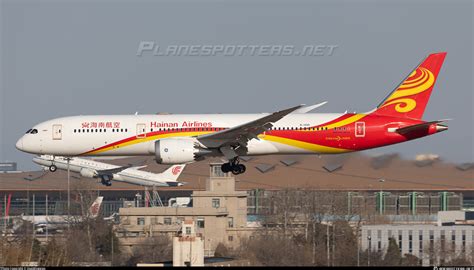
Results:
x,y
175,183
422,126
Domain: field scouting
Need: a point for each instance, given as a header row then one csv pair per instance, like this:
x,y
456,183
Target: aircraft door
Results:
x,y
141,130
360,129
57,132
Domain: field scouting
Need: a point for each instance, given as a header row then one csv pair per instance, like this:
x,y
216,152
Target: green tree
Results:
x,y
393,256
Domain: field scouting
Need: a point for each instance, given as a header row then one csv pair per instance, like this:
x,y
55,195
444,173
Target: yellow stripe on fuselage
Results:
x,y
304,145
347,121
307,146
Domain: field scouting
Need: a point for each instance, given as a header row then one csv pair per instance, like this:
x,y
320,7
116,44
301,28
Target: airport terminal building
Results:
x,y
224,208
453,235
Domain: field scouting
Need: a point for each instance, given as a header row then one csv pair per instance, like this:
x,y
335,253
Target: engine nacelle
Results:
x,y
87,173
176,150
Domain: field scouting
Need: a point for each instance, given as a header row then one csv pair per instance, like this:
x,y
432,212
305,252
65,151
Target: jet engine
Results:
x,y
178,150
87,173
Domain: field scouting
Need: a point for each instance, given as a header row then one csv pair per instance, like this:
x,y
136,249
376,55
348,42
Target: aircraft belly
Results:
x,y
261,147
139,149
289,149
137,181
72,168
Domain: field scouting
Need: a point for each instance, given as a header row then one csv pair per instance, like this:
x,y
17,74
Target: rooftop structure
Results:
x,y
219,212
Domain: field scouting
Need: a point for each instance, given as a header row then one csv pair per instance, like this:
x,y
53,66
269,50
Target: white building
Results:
x,y
188,248
429,242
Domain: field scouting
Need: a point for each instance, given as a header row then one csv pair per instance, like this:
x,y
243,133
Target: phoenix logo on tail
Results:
x,y
409,99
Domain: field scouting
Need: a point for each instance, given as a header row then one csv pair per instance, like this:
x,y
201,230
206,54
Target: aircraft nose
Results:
x,y
19,144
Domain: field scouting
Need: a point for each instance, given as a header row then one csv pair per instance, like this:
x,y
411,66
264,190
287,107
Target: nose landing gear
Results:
x,y
53,168
233,166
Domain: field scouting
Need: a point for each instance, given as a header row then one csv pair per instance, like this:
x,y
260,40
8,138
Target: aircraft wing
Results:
x,y
112,171
309,108
241,134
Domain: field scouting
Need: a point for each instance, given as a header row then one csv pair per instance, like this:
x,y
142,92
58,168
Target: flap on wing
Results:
x,y
241,134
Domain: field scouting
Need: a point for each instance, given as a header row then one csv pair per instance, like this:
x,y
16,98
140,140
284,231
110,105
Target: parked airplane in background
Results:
x,y
55,222
175,139
107,172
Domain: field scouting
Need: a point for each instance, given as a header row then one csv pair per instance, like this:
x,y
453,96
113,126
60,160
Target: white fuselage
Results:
x,y
129,175
95,135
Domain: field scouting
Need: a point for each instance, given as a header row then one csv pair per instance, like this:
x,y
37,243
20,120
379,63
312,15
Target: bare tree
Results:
x,y
306,228
152,249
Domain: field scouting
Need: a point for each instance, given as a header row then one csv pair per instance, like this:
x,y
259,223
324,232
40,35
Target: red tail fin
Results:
x,y
409,99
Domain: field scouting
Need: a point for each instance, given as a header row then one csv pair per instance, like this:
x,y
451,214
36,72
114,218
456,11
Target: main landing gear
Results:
x,y
106,180
233,166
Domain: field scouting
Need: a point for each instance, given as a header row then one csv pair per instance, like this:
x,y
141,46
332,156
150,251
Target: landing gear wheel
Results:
x,y
242,168
106,181
238,169
226,168
53,168
233,166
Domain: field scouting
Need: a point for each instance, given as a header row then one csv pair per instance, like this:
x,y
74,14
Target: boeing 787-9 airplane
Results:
x,y
177,139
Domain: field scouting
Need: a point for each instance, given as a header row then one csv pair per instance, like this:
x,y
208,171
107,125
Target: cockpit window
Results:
x,y
34,131
29,130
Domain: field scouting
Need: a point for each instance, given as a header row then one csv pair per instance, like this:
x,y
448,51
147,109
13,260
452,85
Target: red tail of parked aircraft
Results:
x,y
410,97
